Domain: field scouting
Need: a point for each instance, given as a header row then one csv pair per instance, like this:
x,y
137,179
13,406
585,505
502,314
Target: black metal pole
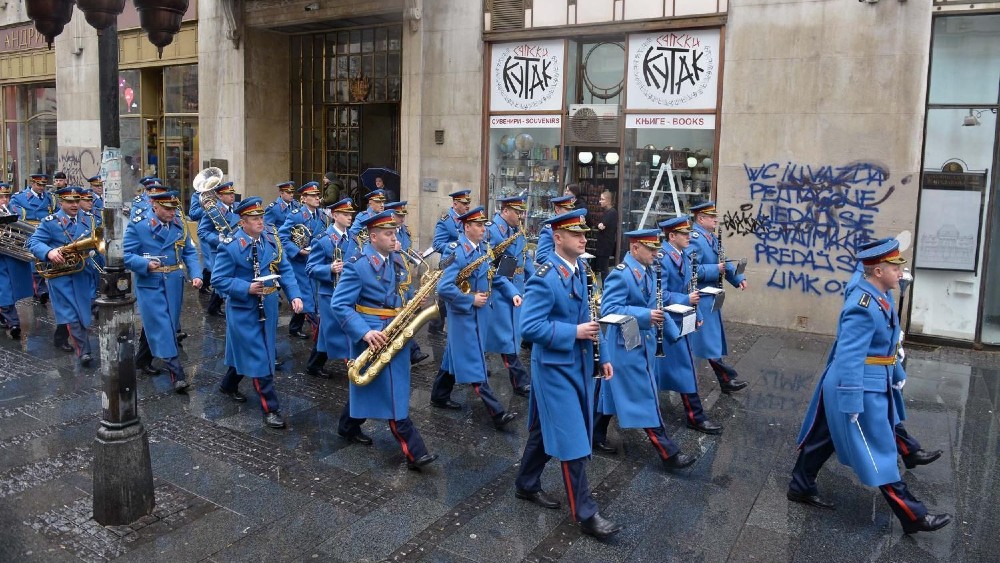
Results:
x,y
123,476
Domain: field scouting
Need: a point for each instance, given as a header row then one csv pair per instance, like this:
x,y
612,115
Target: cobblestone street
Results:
x,y
228,489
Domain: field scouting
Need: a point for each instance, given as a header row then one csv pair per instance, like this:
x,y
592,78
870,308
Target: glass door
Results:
x,y
180,160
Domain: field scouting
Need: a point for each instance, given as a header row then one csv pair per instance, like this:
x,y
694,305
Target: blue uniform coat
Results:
x,y
331,339
562,368
160,295
632,393
250,344
15,280
503,335
465,349
208,235
710,340
446,231
32,207
868,326
370,281
357,225
675,371
277,211
195,211
545,245
71,294
316,222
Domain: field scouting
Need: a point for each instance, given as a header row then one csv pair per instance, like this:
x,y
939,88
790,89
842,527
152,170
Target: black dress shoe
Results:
x,y
180,386
298,334
706,427
449,404
421,461
149,370
321,373
234,395
502,420
599,527
14,332
539,497
42,299
523,391
180,336
928,523
525,345
604,448
921,457
359,438
216,312
86,360
733,385
812,500
64,346
679,461
274,420
417,358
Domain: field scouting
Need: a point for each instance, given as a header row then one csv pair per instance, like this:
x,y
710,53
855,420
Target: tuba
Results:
x,y
366,367
75,253
14,237
204,183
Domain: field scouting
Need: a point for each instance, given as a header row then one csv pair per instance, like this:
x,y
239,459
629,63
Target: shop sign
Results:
x,y
526,76
21,38
669,121
673,69
525,121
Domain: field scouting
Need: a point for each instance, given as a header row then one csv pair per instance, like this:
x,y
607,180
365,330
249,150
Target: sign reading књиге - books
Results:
x,y
674,69
527,76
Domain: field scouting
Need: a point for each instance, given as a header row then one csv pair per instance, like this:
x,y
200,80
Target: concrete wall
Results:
x,y
266,98
821,128
78,125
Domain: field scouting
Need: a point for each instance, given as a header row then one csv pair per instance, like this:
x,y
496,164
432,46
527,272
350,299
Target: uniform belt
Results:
x,y
268,290
880,361
376,311
518,271
168,269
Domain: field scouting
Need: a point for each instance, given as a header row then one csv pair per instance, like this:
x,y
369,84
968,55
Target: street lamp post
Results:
x,y
123,476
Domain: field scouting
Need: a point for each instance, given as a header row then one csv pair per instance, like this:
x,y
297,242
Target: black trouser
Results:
x,y
403,430
437,323
143,355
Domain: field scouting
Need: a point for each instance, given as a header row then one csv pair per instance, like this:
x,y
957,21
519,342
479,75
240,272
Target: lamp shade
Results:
x,y
101,13
692,162
50,16
585,157
161,19
611,158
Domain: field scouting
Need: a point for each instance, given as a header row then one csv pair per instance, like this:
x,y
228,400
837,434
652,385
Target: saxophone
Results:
x,y
366,367
462,279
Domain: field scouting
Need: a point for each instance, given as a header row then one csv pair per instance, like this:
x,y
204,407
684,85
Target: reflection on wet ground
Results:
x,y
229,489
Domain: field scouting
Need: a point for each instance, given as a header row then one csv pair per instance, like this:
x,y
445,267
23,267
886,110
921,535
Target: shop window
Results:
x,y
30,132
525,160
180,85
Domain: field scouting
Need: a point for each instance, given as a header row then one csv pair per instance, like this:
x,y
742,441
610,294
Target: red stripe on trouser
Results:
x,y
402,442
315,330
688,409
569,490
902,446
505,364
892,495
72,341
656,444
475,387
263,402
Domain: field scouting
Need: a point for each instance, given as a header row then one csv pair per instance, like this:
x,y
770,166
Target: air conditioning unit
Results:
x,y
593,124
598,110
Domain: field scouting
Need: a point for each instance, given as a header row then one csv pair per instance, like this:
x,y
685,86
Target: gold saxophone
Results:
x,y
75,254
366,367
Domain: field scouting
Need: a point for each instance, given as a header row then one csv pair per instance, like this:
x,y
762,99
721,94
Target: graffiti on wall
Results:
x,y
79,164
807,221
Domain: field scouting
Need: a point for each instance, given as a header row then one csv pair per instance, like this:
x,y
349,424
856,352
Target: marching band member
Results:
x,y
376,205
852,411
15,279
314,222
632,395
404,242
208,236
94,265
159,250
71,293
325,266
465,358
279,209
33,205
560,205
97,188
676,372
503,334
557,319
446,231
709,341
140,203
252,306
368,296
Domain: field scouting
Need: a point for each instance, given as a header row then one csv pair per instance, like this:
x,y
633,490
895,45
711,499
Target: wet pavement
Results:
x,y
228,489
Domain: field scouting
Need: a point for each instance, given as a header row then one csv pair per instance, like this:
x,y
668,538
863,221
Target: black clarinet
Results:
x,y
594,301
658,271
256,274
722,256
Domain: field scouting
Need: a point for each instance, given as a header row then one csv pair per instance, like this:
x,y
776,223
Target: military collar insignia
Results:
x,y
564,271
883,304
243,242
637,273
694,234
137,218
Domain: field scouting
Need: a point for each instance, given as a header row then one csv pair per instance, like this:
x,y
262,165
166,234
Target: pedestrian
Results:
x,y
606,246
852,412
252,306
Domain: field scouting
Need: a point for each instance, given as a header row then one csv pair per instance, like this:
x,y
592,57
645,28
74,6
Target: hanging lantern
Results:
x,y
161,19
101,13
50,16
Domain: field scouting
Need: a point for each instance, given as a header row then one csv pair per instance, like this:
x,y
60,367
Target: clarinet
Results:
x,y
658,271
594,301
693,286
722,255
256,274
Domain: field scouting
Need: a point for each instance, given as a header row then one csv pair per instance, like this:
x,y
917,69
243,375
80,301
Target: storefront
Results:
x,y
956,288
632,114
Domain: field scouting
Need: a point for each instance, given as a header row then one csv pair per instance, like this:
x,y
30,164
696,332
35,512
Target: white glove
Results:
x,y
854,417
899,386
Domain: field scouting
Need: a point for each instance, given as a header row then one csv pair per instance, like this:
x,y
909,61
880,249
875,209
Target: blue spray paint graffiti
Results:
x,y
808,221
